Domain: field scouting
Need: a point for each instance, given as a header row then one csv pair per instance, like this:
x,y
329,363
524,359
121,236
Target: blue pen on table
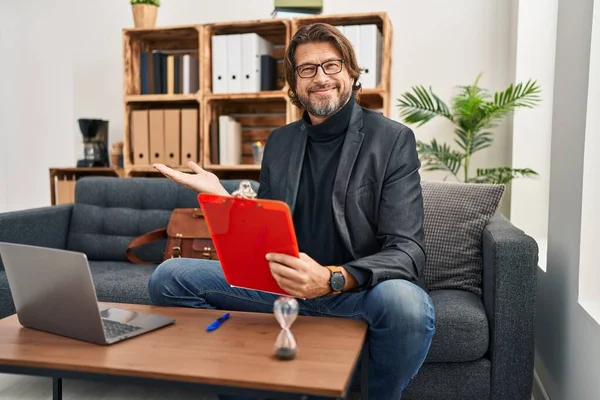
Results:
x,y
217,323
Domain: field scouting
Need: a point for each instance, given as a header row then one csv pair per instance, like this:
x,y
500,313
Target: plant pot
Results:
x,y
144,15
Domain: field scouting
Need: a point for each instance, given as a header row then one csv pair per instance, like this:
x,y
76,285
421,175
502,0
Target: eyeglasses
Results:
x,y
330,67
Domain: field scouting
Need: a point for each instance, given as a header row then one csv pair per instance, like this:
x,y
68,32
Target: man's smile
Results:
x,y
323,90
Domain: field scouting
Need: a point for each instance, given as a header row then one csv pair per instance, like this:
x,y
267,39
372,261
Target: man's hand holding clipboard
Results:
x,y
257,247
301,277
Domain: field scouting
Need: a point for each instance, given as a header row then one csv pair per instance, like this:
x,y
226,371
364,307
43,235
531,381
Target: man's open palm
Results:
x,y
201,180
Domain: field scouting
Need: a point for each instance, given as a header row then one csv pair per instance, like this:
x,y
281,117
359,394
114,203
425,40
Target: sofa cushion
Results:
x,y
461,327
109,212
7,307
455,215
121,282
449,381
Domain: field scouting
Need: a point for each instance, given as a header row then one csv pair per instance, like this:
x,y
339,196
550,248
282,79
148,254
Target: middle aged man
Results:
x,y
351,178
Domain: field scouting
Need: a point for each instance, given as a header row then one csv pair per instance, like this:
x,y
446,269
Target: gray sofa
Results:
x,y
483,347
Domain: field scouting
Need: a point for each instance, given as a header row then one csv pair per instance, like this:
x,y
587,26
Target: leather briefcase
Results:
x,y
187,236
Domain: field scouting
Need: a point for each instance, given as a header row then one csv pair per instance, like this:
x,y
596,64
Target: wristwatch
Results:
x,y
336,279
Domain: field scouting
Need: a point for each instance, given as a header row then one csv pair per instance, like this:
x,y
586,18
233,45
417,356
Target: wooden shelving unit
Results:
x,y
185,39
258,112
62,181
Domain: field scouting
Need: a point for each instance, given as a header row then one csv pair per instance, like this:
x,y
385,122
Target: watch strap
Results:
x,y
334,268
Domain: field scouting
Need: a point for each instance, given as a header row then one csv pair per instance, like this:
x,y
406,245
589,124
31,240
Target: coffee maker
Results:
x,y
95,143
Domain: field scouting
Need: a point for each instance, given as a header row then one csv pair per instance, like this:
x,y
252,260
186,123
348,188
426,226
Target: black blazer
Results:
x,y
377,201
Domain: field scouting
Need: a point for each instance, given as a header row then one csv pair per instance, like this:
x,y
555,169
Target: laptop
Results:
x,y
53,291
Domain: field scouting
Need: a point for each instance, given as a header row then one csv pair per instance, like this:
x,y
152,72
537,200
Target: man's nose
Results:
x,y
321,76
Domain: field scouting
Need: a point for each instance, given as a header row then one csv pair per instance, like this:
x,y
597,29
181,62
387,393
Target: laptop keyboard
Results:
x,y
114,328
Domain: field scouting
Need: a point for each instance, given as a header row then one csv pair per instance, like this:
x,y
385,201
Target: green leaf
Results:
x,y
418,107
440,105
522,95
438,157
470,143
151,2
480,141
501,175
461,139
469,108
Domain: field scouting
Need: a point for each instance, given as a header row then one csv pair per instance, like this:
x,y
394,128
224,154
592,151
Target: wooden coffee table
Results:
x,y
237,358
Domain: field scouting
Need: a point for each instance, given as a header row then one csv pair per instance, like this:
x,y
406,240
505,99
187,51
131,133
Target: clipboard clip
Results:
x,y
244,191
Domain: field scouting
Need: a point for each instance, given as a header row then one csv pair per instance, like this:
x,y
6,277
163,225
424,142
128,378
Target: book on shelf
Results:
x,y
288,13
230,141
172,72
296,8
312,4
268,72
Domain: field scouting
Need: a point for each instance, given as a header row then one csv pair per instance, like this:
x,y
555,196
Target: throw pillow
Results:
x,y
455,215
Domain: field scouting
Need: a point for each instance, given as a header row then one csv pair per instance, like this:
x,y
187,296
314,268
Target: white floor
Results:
x,y
18,387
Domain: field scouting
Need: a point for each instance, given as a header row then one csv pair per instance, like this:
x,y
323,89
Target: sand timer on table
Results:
x,y
286,311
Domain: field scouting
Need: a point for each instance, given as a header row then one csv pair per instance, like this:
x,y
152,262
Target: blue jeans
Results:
x,y
399,313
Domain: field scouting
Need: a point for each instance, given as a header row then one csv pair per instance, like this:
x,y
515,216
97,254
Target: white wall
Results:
x,y
8,22
567,338
70,56
589,273
37,122
532,128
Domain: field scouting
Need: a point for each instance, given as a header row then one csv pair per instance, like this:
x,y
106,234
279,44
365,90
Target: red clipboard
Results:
x,y
243,232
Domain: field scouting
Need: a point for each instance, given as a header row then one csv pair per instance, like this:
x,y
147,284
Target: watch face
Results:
x,y
337,281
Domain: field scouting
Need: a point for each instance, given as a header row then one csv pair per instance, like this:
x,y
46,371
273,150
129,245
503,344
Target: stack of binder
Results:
x,y
242,63
366,40
167,136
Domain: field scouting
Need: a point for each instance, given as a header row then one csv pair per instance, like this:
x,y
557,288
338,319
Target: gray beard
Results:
x,y
324,108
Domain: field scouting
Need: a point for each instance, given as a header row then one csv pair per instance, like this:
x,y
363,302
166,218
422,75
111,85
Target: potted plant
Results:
x,y
474,113
144,12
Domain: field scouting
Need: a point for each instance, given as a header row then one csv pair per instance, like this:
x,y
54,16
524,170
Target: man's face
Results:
x,y
321,95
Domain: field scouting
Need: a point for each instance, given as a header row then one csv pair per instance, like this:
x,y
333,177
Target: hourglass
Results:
x,y
286,311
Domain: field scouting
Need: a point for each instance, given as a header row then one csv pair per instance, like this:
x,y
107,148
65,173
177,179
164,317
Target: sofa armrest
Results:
x,y
510,260
46,226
